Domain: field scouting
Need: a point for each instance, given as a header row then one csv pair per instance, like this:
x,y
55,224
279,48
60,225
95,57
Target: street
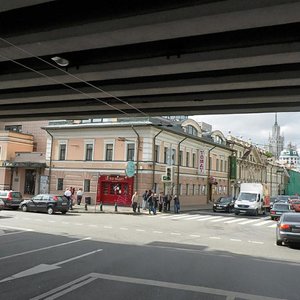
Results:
x,y
196,255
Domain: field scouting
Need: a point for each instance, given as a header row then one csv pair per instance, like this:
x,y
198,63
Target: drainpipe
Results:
x,y
153,156
208,172
178,156
50,162
137,158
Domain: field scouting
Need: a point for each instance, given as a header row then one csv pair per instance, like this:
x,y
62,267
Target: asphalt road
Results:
x,y
114,256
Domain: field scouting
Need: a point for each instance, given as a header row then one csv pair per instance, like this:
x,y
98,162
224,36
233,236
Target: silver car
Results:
x,y
288,229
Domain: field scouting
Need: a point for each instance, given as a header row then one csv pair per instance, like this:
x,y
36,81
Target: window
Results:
x,y
15,128
187,163
222,166
191,130
62,151
217,164
199,189
180,157
89,151
165,155
130,151
194,160
156,153
86,185
180,189
187,189
173,158
109,152
60,184
194,189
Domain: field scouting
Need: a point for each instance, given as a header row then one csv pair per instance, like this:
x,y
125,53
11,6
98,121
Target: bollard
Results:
x,y
101,206
116,206
85,206
139,208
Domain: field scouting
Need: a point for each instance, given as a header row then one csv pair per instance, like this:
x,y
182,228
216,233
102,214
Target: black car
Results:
x,y
11,199
288,229
278,209
224,204
49,203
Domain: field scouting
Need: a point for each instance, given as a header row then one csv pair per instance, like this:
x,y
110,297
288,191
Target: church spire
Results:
x,y
275,119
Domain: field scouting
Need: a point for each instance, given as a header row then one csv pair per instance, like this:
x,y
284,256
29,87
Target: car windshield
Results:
x,y
283,197
247,197
281,207
225,200
293,218
16,195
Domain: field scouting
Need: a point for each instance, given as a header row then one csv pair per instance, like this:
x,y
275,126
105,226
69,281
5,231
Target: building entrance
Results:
x,y
29,187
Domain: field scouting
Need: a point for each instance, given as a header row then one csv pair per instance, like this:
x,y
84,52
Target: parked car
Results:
x,y
278,209
283,198
1,204
224,204
288,229
295,205
273,199
49,203
11,199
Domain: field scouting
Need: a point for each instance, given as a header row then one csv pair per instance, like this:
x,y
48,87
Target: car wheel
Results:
x,y
24,208
15,207
256,212
278,242
50,210
236,213
64,212
214,210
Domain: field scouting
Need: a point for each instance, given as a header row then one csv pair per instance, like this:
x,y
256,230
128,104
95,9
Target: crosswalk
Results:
x,y
261,222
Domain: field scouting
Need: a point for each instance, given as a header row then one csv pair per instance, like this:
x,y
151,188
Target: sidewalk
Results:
x,y
128,210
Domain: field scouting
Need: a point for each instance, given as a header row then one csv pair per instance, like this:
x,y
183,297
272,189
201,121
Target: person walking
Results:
x,y
169,198
145,195
176,204
151,204
134,201
68,195
79,196
160,201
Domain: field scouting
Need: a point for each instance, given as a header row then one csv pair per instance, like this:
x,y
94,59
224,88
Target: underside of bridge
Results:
x,y
74,59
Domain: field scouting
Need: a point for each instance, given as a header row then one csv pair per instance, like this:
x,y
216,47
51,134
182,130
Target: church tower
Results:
x,y
276,141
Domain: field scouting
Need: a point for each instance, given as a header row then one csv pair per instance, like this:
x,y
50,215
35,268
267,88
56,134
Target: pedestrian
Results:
x,y
176,204
169,198
144,196
134,201
160,201
72,200
79,196
155,201
165,203
151,203
68,195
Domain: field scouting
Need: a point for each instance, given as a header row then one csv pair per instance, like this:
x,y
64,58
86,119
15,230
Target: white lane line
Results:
x,y
93,225
76,257
78,224
51,221
11,233
123,228
214,238
196,217
233,221
209,218
107,227
262,223
194,235
256,242
140,230
220,220
44,248
235,240
273,225
17,228
172,216
175,233
248,222
66,223
159,232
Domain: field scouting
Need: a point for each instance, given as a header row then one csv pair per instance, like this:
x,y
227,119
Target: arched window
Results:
x,y
191,130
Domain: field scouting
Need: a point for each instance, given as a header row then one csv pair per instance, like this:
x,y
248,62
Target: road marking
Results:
x,y
235,240
195,235
11,233
273,225
66,223
141,230
45,267
247,222
180,217
93,225
44,248
209,218
159,232
123,228
78,224
220,220
78,283
51,221
175,233
233,221
107,227
262,223
17,228
256,242
214,238
172,216
196,217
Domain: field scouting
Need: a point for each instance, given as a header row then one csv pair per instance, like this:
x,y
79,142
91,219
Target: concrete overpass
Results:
x,y
140,58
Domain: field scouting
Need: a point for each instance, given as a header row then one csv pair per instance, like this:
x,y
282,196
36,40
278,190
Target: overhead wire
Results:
x,y
71,75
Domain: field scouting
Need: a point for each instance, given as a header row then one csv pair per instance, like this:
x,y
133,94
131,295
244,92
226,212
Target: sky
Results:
x,y
256,127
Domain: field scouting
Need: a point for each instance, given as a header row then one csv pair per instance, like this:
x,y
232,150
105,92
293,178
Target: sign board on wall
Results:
x,y
44,184
201,162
